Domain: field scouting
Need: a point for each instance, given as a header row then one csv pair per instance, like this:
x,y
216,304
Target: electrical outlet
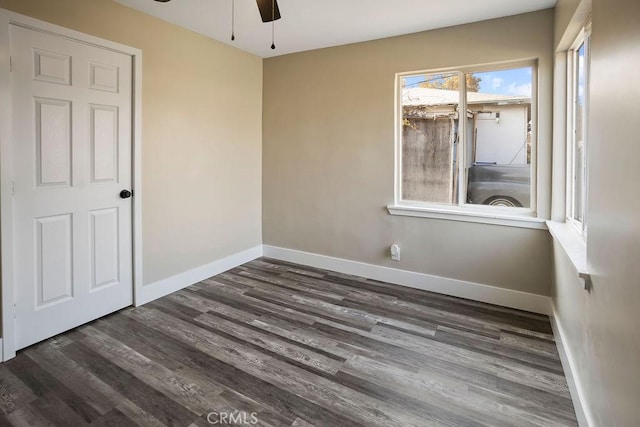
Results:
x,y
395,252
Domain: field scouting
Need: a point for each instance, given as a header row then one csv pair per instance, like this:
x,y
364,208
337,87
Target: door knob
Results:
x,y
125,194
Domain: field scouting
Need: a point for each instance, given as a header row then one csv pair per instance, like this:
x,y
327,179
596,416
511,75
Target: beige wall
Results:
x,y
603,327
202,133
328,155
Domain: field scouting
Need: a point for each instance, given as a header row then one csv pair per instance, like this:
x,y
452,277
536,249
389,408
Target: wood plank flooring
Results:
x,y
278,344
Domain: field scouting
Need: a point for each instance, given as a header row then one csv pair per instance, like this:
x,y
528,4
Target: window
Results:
x,y
578,98
480,160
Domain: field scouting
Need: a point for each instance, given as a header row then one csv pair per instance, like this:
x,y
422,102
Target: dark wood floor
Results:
x,y
294,346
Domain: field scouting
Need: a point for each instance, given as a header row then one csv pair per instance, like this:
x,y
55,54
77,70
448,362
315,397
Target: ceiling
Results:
x,y
313,24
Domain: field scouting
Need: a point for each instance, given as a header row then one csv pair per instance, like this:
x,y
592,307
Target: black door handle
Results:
x,y
125,194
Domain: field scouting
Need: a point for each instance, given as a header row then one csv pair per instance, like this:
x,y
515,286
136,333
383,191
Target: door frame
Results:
x,y
7,19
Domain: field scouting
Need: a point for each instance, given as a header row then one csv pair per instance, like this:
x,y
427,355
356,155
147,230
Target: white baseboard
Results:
x,y
458,288
570,372
155,290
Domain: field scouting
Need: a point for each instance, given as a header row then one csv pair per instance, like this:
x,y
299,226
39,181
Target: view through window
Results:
x,y
483,159
577,164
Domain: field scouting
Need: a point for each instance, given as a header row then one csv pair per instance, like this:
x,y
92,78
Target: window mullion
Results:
x,y
574,158
462,141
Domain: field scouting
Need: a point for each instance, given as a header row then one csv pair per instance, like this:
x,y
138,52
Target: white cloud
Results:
x,y
521,90
496,82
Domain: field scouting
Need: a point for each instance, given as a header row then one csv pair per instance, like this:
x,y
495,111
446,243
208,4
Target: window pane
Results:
x,y
579,132
430,137
498,153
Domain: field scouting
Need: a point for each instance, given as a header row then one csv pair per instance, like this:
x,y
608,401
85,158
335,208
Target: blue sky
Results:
x,y
507,82
503,82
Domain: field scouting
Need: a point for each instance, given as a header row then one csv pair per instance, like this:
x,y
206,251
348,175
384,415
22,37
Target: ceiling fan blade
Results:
x,y
266,11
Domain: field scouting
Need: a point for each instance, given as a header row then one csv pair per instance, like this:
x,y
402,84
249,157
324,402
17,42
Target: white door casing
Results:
x,y
70,154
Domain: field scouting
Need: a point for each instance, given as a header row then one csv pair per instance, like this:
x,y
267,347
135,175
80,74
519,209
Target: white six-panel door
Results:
x,y
72,121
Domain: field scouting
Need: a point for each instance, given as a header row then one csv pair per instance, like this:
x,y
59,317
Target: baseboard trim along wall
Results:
x,y
171,284
457,288
570,372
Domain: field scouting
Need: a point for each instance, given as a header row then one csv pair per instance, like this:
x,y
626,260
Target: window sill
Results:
x,y
452,214
574,246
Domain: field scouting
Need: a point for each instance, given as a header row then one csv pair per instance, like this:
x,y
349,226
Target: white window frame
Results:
x,y
583,37
463,211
